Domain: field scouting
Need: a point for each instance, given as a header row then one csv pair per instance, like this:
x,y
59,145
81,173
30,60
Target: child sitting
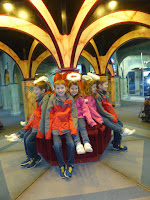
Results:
x,y
83,112
36,125
62,119
90,89
109,116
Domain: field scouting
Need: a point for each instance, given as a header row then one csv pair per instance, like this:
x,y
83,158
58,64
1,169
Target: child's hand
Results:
x,y
93,124
86,100
114,120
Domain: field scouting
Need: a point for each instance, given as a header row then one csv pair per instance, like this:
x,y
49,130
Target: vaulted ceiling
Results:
x,y
56,18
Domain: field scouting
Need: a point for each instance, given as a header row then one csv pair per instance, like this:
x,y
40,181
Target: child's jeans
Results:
x,y
29,143
21,133
58,149
83,132
116,127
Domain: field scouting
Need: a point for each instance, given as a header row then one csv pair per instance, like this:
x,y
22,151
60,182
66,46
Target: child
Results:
x,y
83,112
90,89
36,125
62,119
109,116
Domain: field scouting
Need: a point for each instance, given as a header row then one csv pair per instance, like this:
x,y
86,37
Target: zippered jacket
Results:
x,y
61,117
93,109
37,120
83,111
104,106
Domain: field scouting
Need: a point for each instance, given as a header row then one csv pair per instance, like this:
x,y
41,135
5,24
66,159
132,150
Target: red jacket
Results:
x,y
61,117
37,120
107,106
104,106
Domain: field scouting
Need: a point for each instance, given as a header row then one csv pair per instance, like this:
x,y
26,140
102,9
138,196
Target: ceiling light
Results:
x,y
112,4
8,6
23,15
100,11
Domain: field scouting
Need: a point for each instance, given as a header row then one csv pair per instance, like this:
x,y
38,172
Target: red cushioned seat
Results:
x,y
99,137
104,136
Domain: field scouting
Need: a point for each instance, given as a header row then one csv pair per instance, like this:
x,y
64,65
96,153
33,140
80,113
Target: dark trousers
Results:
x,y
117,128
58,149
29,144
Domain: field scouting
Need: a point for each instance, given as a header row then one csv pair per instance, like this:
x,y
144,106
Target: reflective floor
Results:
x,y
116,176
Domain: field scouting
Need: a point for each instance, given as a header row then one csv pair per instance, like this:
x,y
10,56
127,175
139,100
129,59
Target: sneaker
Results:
x,y
80,149
62,171
88,147
10,136
33,162
120,148
15,138
128,132
112,142
22,123
68,172
24,163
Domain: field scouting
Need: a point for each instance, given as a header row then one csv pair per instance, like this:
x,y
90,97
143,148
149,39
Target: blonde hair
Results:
x,y
80,94
87,87
44,85
59,82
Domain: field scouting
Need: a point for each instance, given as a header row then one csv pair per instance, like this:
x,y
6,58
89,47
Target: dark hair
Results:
x,y
44,85
100,82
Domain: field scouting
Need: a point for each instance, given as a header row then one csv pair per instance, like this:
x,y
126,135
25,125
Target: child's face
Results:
x,y
103,87
38,91
73,90
93,88
60,90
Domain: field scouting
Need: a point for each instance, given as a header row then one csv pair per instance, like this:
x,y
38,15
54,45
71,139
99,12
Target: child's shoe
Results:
x,y
15,138
62,171
120,148
22,123
33,162
88,147
10,136
128,132
68,172
80,149
24,163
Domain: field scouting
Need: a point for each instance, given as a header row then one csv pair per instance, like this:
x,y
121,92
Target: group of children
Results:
x,y
64,112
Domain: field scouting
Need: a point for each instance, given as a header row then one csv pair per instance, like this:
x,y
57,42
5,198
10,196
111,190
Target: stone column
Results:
x,y
5,97
112,88
103,78
137,82
28,98
123,88
14,98
1,97
117,91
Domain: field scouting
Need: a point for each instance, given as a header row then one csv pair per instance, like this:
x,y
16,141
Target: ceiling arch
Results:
x,y
145,33
106,21
30,29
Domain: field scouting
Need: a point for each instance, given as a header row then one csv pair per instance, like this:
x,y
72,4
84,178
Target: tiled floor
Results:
x,y
116,176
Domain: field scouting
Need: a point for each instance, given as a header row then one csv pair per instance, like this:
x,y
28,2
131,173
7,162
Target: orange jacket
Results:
x,y
104,106
61,116
107,106
37,120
